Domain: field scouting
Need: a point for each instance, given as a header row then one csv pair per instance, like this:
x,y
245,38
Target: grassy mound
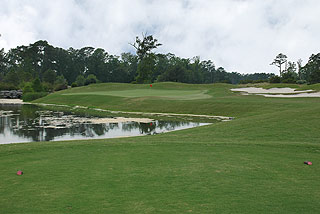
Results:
x,y
253,164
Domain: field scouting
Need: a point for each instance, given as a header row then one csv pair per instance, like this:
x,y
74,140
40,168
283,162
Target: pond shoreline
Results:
x,y
12,101
30,123
215,117
219,118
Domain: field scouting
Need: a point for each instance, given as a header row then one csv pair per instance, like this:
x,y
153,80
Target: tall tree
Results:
x,y
146,58
3,62
279,61
299,63
145,45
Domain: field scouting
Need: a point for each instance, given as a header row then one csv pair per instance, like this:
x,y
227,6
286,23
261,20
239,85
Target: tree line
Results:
x,y
54,68
294,72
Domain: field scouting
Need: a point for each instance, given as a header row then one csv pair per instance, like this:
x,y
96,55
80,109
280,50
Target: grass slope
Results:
x,y
253,164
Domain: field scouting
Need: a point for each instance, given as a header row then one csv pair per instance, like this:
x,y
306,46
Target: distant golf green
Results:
x,y
157,93
252,164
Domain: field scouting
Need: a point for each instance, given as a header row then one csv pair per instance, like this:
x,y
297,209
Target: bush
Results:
x,y
74,84
48,87
289,80
246,81
301,82
33,96
27,88
91,79
60,83
80,81
275,79
60,87
37,86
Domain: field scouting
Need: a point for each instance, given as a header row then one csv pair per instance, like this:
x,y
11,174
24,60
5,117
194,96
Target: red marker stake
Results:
x,y
308,162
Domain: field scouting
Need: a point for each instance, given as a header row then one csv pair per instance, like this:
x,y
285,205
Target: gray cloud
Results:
x,y
240,35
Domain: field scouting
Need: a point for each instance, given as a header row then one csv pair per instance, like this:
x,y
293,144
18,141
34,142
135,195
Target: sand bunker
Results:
x,y
277,92
317,94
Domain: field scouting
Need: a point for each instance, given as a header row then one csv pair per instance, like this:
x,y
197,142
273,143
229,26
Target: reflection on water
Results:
x,y
28,123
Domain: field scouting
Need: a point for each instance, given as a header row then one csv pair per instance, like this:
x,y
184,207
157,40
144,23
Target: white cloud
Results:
x,y
240,35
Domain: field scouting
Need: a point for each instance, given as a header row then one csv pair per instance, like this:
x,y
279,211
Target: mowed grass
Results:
x,y
156,93
253,164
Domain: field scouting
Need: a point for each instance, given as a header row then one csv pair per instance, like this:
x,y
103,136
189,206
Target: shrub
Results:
x,y
275,79
47,87
80,80
301,82
74,84
289,80
27,97
27,88
37,86
60,83
245,81
91,78
60,87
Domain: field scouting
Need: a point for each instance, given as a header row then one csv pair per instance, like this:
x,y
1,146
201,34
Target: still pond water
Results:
x,y
30,123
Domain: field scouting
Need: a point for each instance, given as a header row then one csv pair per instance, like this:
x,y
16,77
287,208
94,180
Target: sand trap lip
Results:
x,y
277,92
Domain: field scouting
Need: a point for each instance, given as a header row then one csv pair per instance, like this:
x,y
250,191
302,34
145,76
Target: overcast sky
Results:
x,y
239,35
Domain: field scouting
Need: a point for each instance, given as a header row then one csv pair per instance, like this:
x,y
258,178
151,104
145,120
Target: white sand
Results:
x,y
317,94
277,92
11,101
253,90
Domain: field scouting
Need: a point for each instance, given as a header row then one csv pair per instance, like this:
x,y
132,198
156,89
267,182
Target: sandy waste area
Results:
x,y
277,92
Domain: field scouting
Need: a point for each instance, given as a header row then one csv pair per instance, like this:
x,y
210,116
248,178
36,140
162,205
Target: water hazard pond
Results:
x,y
30,123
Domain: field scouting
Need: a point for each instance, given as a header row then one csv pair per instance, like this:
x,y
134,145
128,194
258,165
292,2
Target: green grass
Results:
x,y
156,93
253,164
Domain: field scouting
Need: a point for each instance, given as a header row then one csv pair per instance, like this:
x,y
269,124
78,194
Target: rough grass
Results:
x,y
253,164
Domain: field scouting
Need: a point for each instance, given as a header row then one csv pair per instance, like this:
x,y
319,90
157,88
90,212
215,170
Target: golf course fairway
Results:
x,y
251,164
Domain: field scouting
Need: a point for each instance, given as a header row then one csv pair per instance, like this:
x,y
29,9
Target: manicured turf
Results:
x,y
253,164
158,94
